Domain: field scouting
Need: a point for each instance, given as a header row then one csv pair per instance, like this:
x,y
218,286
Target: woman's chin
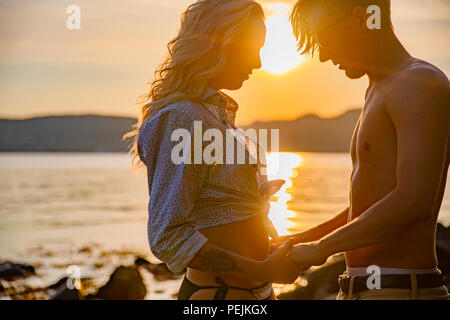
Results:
x,y
235,86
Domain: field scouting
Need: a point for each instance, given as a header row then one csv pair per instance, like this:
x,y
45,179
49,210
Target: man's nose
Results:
x,y
323,55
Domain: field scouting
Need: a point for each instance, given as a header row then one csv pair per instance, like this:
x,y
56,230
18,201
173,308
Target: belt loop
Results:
x,y
414,289
350,290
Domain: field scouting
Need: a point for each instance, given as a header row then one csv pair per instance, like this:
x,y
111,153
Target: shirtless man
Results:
x,y
400,152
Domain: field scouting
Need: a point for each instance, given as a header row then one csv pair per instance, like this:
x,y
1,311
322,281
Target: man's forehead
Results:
x,y
320,17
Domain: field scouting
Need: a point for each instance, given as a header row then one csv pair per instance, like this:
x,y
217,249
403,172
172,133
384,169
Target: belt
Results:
x,y
188,288
398,281
262,292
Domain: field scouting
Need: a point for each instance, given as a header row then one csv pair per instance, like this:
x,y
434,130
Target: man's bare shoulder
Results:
x,y
423,73
419,87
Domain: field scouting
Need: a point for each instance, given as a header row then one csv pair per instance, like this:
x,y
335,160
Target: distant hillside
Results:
x,y
313,134
103,134
68,133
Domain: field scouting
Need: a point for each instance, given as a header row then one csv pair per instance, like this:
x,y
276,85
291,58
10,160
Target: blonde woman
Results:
x,y
208,219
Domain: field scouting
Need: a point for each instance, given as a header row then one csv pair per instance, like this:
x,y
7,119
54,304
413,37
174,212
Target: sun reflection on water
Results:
x,y
282,166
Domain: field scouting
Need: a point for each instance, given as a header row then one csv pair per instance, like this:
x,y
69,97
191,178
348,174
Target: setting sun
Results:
x,y
279,55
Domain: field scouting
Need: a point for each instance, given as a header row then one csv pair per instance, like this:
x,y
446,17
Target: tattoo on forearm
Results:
x,y
216,260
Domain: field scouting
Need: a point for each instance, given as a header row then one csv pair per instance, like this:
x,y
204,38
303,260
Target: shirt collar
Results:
x,y
209,92
221,105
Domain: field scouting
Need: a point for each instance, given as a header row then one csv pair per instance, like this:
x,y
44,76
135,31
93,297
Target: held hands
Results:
x,y
286,261
278,268
304,256
308,255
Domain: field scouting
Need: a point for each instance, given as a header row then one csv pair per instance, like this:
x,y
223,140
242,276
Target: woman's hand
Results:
x,y
278,268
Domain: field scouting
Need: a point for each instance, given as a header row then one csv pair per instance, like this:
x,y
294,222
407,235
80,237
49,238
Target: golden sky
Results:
x,y
47,69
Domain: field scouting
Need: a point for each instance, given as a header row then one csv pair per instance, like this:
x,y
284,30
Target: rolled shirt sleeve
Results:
x,y
173,188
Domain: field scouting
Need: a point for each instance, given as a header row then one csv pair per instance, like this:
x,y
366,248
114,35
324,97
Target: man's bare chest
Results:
x,y
374,139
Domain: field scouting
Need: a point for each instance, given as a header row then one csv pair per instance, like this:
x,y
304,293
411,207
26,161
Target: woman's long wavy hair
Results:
x,y
195,57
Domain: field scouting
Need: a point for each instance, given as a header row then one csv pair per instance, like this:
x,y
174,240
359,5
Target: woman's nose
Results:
x,y
258,63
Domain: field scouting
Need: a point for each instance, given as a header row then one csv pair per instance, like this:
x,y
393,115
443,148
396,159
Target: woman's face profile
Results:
x,y
242,56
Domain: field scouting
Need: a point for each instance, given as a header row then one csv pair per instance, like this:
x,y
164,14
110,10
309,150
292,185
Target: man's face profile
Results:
x,y
340,38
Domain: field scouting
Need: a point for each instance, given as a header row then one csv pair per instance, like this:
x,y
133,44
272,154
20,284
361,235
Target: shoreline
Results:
x,y
109,274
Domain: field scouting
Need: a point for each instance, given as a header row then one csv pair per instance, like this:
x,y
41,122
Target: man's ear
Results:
x,y
360,17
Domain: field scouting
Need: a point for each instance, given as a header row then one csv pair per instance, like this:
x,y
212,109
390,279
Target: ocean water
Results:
x,y
59,201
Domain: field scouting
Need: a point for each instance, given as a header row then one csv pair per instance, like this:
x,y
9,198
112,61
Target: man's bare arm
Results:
x,y
319,231
420,114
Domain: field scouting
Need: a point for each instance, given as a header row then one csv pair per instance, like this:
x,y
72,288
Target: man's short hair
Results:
x,y
300,18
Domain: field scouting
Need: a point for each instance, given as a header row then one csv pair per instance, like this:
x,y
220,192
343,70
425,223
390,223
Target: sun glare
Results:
x,y
279,55
282,166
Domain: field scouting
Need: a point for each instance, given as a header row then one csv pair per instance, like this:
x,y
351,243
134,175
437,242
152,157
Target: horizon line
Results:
x,y
103,115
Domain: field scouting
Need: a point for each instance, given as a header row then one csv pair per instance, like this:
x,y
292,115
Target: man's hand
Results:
x,y
308,255
278,268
